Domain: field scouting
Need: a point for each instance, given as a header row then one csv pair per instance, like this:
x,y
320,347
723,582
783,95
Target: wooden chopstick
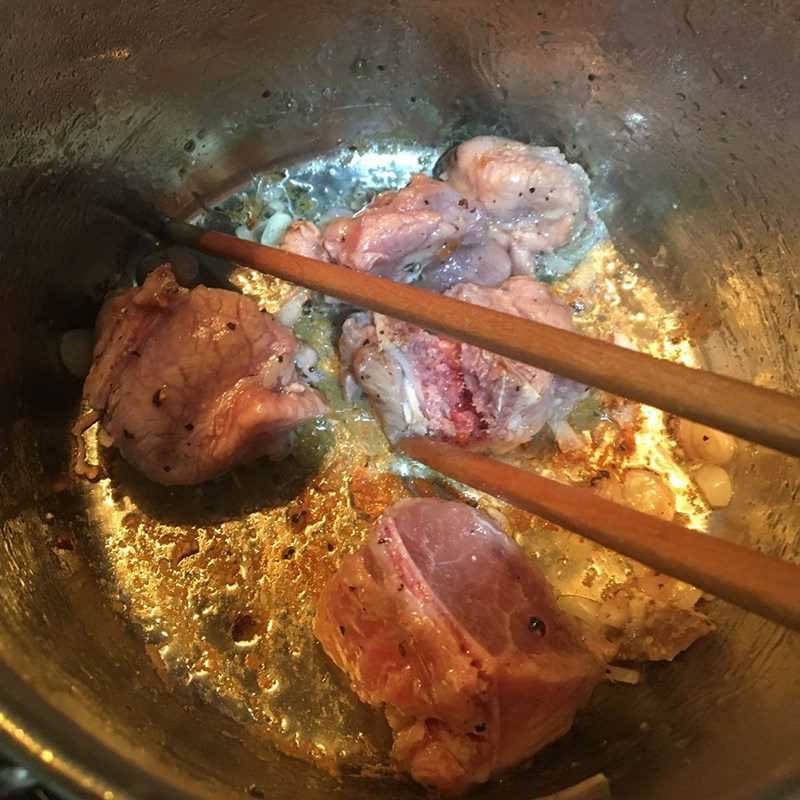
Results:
x,y
746,411
748,579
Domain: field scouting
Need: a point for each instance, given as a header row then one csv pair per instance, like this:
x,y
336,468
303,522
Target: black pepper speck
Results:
x,y
536,625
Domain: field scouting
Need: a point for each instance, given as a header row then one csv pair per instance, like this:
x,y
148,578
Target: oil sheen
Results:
x,y
222,578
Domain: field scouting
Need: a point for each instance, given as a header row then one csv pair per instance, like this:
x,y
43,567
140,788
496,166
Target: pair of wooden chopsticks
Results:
x,y
758,583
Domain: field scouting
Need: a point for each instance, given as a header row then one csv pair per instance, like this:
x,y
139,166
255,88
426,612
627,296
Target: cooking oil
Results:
x,y
222,578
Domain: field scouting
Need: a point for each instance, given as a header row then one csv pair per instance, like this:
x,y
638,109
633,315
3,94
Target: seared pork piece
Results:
x,y
444,619
194,382
537,201
425,229
424,383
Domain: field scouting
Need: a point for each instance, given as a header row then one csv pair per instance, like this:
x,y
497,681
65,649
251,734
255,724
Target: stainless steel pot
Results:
x,y
686,117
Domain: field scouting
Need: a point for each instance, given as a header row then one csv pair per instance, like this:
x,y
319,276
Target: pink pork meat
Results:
x,y
194,382
424,383
444,619
535,199
426,231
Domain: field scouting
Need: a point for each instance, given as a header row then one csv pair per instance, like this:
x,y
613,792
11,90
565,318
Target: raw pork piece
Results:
x,y
537,201
445,620
194,382
424,383
425,229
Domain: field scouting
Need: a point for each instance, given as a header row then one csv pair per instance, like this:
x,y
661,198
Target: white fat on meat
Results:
x,y
424,383
306,362
305,239
535,199
426,231
194,382
443,620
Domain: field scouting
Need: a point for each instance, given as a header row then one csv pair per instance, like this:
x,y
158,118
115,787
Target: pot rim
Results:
x,y
79,765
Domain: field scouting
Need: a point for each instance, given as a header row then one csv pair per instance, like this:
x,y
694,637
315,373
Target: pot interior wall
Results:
x,y
691,140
